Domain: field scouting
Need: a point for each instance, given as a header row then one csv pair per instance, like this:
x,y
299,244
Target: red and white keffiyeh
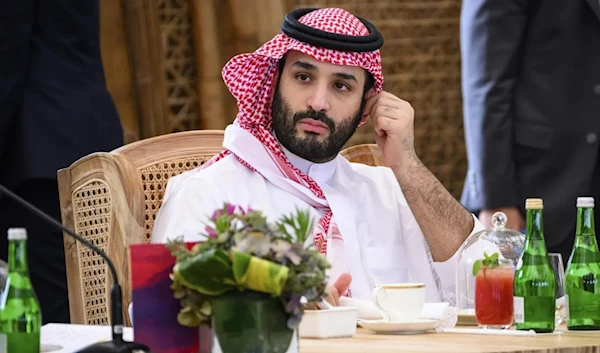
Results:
x,y
250,79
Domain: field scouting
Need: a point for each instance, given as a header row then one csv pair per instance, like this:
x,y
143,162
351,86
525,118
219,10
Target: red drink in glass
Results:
x,y
494,296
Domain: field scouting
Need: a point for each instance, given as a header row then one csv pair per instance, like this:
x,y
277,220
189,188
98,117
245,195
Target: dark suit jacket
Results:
x,y
531,90
54,104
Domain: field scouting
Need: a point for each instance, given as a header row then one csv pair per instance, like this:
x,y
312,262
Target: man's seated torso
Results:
x,y
380,232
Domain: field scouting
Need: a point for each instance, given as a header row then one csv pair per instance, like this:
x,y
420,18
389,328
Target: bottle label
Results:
x,y
583,304
519,307
534,309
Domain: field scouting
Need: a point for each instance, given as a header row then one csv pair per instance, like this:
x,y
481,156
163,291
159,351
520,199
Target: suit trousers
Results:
x,y
45,249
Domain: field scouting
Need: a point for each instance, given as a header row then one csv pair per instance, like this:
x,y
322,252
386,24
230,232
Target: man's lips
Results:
x,y
313,126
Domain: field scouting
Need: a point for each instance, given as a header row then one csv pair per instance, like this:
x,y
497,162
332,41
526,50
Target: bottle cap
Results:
x,y
585,202
534,204
17,234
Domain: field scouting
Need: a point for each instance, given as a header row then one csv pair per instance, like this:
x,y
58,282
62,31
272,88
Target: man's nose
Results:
x,y
318,100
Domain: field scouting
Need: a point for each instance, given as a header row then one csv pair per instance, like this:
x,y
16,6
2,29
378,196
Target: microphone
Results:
x,y
117,344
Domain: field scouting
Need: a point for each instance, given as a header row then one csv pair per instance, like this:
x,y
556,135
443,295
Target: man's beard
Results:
x,y
310,147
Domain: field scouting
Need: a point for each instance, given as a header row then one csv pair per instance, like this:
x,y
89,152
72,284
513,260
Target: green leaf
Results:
x,y
296,227
476,266
206,272
488,261
259,274
188,317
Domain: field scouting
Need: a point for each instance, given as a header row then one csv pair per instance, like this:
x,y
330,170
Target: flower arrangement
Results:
x,y
243,253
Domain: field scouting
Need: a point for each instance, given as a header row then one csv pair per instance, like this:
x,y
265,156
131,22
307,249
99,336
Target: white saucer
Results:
x,y
411,327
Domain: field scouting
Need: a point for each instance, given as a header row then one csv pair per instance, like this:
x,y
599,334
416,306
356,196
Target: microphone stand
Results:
x,y
117,344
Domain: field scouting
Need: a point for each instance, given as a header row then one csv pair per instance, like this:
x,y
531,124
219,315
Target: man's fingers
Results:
x,y
370,103
342,283
333,298
382,124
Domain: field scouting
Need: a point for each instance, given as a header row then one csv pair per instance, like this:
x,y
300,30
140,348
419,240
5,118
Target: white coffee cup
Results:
x,y
400,302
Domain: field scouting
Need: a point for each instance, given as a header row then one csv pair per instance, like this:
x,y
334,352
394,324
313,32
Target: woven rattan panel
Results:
x,y
154,180
92,219
421,64
179,63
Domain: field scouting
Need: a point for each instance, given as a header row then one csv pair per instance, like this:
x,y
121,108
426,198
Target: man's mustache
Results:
x,y
318,116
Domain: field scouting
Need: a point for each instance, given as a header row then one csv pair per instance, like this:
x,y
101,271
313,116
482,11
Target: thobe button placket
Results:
x,y
319,172
591,138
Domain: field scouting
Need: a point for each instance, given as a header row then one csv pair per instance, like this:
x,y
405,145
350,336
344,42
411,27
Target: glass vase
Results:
x,y
251,322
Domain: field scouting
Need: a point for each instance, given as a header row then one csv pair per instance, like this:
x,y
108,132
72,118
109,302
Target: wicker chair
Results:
x,y
111,199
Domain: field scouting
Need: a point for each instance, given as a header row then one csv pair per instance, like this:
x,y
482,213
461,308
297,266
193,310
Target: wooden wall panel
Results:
x,y
208,46
145,45
117,66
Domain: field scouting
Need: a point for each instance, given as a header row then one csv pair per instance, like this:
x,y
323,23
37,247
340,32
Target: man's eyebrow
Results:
x,y
345,76
305,65
308,66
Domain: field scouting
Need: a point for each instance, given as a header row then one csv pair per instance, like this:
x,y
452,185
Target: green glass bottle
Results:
x,y
582,278
534,283
20,315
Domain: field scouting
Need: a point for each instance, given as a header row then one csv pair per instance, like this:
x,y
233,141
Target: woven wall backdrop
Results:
x,y
421,64
421,59
179,64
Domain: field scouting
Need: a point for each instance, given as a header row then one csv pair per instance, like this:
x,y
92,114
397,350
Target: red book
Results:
x,y
154,308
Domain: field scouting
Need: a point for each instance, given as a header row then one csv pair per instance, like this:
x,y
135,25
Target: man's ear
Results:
x,y
370,93
275,79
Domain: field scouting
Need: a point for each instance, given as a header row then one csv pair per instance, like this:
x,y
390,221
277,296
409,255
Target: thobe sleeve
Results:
x,y
187,207
445,271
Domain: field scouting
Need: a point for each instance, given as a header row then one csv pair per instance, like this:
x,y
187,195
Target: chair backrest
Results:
x,y
112,198
368,154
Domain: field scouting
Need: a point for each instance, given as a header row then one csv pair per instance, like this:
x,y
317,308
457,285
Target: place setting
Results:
x,y
400,308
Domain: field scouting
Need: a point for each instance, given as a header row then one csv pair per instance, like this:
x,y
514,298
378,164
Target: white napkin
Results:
x,y
367,310
448,315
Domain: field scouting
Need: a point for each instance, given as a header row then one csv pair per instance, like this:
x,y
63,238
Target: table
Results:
x,y
67,338
365,341
73,337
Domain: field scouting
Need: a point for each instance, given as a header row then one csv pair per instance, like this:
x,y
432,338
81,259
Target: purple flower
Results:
x,y
293,303
211,232
244,211
228,210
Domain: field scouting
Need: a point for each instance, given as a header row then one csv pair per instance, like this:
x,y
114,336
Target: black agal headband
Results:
x,y
318,38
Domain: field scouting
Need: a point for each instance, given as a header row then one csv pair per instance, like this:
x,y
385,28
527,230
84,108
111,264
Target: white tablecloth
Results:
x,y
65,338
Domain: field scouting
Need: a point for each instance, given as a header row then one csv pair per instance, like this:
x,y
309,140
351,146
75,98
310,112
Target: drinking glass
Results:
x,y
494,295
558,268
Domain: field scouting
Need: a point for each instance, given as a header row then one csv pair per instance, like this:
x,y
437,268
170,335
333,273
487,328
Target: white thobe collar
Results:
x,y
319,172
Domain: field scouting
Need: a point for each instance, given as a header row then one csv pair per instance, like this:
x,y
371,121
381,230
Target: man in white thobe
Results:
x,y
301,97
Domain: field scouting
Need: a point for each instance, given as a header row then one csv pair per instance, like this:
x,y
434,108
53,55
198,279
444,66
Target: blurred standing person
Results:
x,y
54,109
531,90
